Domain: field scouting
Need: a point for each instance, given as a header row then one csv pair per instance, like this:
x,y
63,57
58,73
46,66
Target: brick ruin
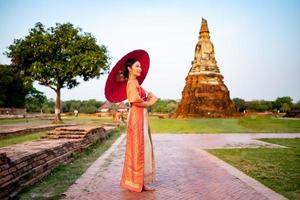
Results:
x,y
25,163
205,94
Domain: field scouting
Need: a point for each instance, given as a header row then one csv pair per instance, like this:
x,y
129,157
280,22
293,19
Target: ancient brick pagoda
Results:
x,y
204,94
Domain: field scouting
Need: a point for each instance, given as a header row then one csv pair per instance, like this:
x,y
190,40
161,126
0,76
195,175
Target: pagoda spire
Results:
x,y
204,27
204,59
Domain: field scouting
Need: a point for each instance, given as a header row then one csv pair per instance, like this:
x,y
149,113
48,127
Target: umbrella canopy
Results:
x,y
115,87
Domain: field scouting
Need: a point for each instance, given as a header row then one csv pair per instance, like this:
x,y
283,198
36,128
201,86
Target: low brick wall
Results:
x,y
25,163
12,111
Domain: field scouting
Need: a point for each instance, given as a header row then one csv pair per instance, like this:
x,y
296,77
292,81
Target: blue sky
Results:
x,y
257,43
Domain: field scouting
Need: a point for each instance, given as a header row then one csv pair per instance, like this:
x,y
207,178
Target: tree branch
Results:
x,y
48,85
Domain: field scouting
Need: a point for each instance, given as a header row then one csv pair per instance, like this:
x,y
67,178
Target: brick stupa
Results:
x,y
204,94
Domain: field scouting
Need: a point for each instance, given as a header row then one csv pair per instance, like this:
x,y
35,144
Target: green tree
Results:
x,y
239,104
70,105
284,103
259,106
164,106
74,105
172,106
13,87
285,107
48,106
89,106
296,106
56,56
35,100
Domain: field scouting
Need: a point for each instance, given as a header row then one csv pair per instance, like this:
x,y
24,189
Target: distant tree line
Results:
x,y
47,106
39,103
281,104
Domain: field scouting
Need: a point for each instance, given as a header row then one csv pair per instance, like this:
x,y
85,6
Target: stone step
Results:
x,y
71,129
72,136
50,137
66,136
66,133
73,132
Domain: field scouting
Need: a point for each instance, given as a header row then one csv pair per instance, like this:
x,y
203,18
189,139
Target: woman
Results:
x,y
139,165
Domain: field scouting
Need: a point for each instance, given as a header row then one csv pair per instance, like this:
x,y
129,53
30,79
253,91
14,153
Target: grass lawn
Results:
x,y
60,179
225,125
10,140
21,121
278,169
86,120
81,120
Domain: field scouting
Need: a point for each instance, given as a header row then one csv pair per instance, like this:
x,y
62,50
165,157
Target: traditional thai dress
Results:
x,y
139,164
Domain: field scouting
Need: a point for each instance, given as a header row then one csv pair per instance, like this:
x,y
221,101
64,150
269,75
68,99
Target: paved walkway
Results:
x,y
184,171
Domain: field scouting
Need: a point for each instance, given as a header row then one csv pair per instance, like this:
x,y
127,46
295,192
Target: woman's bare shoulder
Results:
x,y
134,82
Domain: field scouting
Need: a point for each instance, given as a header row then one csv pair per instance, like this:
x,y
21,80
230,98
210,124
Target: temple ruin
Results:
x,y
204,94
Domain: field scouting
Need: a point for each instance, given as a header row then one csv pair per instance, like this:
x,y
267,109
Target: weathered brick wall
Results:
x,y
24,164
12,111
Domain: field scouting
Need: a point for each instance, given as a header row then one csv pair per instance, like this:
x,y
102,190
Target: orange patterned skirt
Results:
x,y
139,164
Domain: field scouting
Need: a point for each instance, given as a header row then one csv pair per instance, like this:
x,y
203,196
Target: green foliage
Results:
x,y
88,106
260,106
48,106
56,56
296,106
285,107
164,106
71,105
283,103
35,100
13,87
239,104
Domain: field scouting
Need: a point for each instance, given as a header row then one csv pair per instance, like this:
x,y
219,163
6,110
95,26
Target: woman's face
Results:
x,y
135,69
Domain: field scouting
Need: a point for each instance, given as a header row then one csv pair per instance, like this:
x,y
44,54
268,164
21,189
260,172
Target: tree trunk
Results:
x,y
57,118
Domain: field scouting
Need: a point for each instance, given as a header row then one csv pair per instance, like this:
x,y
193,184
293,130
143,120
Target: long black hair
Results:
x,y
128,63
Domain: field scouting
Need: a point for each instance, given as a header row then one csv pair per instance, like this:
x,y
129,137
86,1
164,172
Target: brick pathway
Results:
x,y
184,171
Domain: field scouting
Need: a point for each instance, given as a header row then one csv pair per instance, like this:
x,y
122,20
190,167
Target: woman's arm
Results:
x,y
147,103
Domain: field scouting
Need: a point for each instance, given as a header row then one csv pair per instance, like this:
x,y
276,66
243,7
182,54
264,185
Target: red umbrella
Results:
x,y
115,87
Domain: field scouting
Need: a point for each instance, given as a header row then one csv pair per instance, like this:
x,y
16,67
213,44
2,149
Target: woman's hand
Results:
x,y
149,95
152,100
